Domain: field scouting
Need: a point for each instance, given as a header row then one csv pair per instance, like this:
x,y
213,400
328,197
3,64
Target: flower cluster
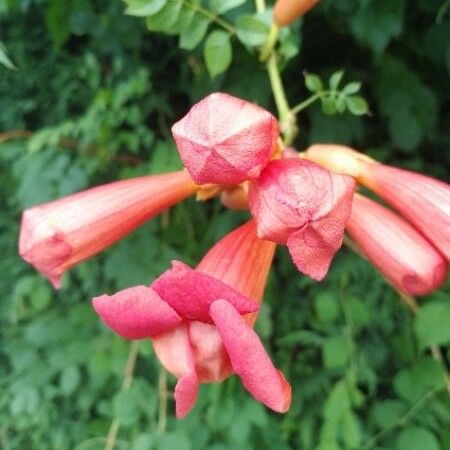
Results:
x,y
200,320
410,247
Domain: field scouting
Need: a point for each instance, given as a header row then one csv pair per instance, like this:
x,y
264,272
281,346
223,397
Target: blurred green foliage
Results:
x,y
93,95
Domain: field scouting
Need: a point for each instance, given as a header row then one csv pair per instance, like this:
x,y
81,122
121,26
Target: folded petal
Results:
x,y
136,313
186,392
175,353
312,248
225,140
249,358
190,292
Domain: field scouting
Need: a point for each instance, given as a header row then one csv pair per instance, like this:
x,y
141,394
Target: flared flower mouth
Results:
x,y
200,324
400,253
58,235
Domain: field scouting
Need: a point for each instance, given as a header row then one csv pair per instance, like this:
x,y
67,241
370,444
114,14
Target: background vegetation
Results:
x,y
91,99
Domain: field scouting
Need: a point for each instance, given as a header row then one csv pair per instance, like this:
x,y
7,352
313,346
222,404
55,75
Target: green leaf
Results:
x,y
335,352
194,33
222,6
328,105
69,380
4,58
56,18
432,324
388,412
377,22
351,430
126,406
165,18
417,438
357,105
351,88
144,8
251,30
326,307
313,82
217,52
335,79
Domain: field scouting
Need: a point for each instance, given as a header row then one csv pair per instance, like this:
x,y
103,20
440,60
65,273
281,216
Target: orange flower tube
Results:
x,y
58,235
287,11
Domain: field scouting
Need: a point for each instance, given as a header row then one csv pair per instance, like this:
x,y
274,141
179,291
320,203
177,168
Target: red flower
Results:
x,y
395,248
58,235
225,140
195,319
298,203
422,200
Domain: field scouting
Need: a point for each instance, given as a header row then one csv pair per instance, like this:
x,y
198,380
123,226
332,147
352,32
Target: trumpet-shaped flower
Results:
x,y
225,140
422,200
200,320
298,203
398,251
58,235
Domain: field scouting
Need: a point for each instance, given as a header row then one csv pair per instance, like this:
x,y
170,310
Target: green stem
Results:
x,y
270,43
403,420
277,87
211,16
162,394
303,105
260,6
127,380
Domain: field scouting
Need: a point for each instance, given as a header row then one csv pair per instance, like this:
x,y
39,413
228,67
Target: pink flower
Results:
x,y
395,248
225,140
58,235
422,200
200,320
298,203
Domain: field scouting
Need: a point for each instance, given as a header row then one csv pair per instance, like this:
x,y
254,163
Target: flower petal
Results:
x,y
190,292
225,140
175,353
186,392
249,358
136,313
312,248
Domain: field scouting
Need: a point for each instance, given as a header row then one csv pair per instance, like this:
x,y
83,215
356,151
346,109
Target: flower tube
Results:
x,y
422,200
299,204
287,11
56,236
207,316
395,248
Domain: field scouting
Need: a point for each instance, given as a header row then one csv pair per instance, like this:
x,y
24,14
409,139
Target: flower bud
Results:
x,y
225,140
395,248
286,11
